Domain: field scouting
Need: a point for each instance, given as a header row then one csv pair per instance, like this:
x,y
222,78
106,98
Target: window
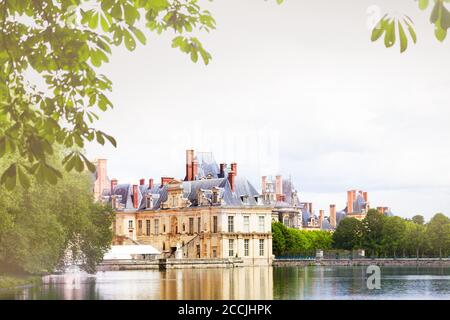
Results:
x,y
246,246
164,228
230,224
156,226
198,251
215,224
261,224
214,250
174,202
199,225
130,224
149,201
139,227
191,225
261,247
230,247
147,229
246,223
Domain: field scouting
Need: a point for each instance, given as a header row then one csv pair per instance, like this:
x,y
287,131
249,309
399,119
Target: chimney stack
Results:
x,y
222,170
278,185
150,183
321,217
333,215
234,168
365,196
189,160
113,185
231,180
141,182
263,184
194,169
350,201
135,196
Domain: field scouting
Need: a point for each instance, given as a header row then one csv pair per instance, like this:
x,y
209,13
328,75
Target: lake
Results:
x,y
315,282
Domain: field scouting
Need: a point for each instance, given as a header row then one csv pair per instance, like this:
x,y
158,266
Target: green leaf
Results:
x,y
423,4
91,167
436,12
411,31
389,37
130,43
440,33
139,34
110,139
116,11
100,138
403,39
79,166
93,22
104,23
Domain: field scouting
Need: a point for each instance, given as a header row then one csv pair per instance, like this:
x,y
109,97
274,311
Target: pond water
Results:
x,y
243,283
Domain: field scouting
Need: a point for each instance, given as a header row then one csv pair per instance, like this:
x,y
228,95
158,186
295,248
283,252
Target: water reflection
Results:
x,y
243,284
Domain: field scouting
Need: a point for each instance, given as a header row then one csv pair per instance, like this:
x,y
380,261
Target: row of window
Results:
x,y
261,225
246,247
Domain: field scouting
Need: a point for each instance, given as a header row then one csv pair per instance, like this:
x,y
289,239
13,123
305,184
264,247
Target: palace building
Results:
x,y
212,213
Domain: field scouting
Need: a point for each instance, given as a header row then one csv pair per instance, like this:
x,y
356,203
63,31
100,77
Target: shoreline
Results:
x,y
119,265
399,262
13,282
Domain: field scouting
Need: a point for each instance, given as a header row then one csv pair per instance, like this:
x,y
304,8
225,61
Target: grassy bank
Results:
x,y
13,281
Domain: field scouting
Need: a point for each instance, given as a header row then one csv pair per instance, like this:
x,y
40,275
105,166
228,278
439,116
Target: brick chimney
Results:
x,y
231,175
263,184
135,196
234,168
194,169
222,170
333,215
141,182
321,217
189,160
150,183
350,201
101,183
365,196
113,185
278,185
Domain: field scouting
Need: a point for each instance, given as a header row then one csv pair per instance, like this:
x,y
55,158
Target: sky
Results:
x,y
296,89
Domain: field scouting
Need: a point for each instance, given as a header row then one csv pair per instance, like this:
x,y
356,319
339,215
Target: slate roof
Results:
x,y
242,188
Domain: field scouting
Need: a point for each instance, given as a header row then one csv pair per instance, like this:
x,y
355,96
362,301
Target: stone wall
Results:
x,y
363,262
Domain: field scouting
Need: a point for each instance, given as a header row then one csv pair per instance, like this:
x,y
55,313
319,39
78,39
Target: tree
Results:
x,y
414,237
44,222
278,240
418,219
64,41
438,233
348,234
393,233
372,231
390,25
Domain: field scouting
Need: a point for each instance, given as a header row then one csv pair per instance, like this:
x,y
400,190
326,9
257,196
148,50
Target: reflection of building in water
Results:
x,y
248,283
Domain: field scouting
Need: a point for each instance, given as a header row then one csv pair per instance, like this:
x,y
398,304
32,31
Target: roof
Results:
x,y
190,189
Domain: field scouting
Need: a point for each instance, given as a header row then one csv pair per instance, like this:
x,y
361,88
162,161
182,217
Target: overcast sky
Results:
x,y
298,90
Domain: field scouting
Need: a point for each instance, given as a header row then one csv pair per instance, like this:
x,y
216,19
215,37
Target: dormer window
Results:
x,y
149,201
244,199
